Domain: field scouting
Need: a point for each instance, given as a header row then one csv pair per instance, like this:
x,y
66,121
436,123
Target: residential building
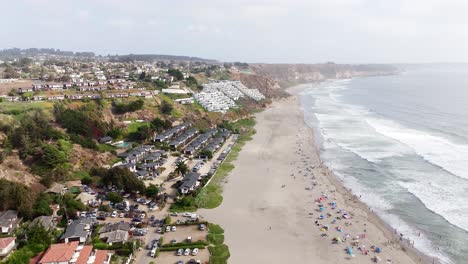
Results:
x,y
8,221
7,244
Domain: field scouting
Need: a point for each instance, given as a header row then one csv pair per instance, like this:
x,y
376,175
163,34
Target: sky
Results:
x,y
270,31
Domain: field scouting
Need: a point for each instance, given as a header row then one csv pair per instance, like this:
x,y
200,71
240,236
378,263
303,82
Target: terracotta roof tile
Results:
x,y
4,242
59,252
84,255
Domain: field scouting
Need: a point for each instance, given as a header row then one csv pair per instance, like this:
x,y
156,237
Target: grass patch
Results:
x,y
78,175
16,108
215,239
105,147
215,229
219,254
133,127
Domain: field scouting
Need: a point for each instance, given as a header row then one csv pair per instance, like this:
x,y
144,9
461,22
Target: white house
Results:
x,y
6,245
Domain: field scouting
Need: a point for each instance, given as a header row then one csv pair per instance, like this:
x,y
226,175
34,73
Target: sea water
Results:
x,y
401,142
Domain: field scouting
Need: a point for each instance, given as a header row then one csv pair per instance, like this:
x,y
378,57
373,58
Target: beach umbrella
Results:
x,y
378,250
349,251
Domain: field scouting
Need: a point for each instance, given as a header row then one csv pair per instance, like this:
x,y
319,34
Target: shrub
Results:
x,y
215,229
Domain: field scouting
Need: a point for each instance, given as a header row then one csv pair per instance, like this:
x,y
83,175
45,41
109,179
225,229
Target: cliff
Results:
x,y
292,74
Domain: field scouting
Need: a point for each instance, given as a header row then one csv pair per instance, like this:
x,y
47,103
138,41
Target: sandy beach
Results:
x,y
270,211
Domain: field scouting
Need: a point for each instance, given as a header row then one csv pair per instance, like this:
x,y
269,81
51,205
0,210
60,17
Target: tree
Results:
x,y
181,168
206,153
142,76
166,108
191,82
158,125
152,191
42,205
114,197
124,179
178,75
52,156
142,133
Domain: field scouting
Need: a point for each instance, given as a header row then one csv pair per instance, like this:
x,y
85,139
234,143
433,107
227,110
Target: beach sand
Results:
x,y
269,207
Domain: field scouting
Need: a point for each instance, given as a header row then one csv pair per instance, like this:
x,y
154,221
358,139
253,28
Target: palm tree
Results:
x,y
181,168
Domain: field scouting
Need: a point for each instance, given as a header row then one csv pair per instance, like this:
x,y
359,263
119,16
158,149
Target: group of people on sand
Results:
x,y
331,220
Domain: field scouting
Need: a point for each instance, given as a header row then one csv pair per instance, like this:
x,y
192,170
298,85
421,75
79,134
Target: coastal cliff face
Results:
x,y
286,75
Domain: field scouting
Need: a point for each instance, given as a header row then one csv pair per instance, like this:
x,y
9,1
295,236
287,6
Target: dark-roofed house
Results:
x,y
105,140
45,220
8,221
79,230
189,182
116,233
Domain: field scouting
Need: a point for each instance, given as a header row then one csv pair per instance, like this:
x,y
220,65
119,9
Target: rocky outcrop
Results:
x,y
267,86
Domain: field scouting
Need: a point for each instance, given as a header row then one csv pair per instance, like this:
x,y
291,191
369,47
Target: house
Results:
x,y
115,233
105,140
79,230
189,182
45,220
73,253
6,245
57,188
8,221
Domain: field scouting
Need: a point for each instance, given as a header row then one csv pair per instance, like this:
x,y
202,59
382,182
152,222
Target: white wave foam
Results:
x,y
442,152
445,199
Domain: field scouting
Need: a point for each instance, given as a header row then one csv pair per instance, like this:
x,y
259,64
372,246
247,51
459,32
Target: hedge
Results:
x,y
185,244
184,247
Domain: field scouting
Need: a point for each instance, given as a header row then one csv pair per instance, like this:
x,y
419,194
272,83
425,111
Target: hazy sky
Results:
x,y
346,31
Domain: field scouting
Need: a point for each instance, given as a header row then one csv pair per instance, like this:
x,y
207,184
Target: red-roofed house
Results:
x,y
73,253
6,245
60,253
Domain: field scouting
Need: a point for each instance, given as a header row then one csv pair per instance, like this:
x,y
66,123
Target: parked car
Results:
x,y
187,252
101,217
180,252
202,227
153,252
114,214
174,228
122,215
159,230
168,228
195,251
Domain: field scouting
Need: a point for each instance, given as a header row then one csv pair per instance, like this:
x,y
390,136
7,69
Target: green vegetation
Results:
x,y
219,254
178,75
152,191
166,108
16,196
38,240
122,108
122,178
114,197
215,229
181,168
20,108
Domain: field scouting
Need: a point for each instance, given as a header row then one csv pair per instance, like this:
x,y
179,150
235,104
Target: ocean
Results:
x,y
401,142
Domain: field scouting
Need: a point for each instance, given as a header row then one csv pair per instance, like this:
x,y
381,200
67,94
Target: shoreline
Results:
x,y
268,210
390,232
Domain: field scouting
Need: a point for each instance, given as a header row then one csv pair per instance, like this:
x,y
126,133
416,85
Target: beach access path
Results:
x,y
269,208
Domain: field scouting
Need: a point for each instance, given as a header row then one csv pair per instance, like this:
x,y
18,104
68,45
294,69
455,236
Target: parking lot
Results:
x,y
183,232
169,257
